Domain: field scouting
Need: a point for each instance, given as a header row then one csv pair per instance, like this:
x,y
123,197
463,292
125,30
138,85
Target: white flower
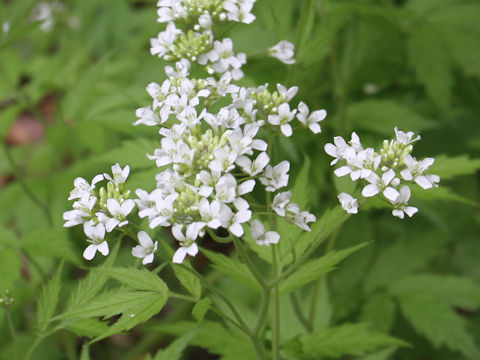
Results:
x,y
96,235
187,242
147,117
119,175
280,201
288,94
283,51
299,218
283,118
118,213
406,138
82,210
378,184
260,236
415,169
240,11
146,249
401,204
82,187
349,203
310,120
241,216
253,167
224,159
164,41
210,212
276,177
226,188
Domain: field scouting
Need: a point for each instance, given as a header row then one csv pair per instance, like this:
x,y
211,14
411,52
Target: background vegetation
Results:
x,y
67,103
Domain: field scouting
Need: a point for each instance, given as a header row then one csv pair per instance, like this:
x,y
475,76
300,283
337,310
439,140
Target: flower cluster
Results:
x,y
100,211
388,172
212,151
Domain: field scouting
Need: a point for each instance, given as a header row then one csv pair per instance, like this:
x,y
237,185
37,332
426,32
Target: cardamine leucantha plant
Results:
x,y
216,148
206,234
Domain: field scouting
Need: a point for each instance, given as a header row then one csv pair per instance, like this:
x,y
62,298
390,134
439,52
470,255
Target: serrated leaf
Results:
x,y
399,260
349,339
175,349
48,300
188,280
438,323
88,287
431,64
138,279
379,312
381,116
200,309
142,305
450,290
231,267
313,269
448,167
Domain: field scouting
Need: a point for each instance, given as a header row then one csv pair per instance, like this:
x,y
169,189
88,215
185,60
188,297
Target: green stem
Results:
x,y
275,309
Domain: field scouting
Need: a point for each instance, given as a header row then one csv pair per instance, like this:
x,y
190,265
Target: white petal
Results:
x,y
89,252
257,229
286,129
246,187
147,259
410,210
179,255
423,182
139,252
272,237
398,213
370,190
236,229
390,193
342,171
103,248
192,250
145,239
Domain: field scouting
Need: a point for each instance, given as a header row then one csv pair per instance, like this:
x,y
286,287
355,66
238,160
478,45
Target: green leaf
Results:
x,y
88,287
450,290
383,354
87,327
313,269
175,349
138,279
379,312
449,167
443,193
188,280
200,309
381,116
48,300
300,193
431,64
400,259
321,230
231,267
438,323
229,343
349,339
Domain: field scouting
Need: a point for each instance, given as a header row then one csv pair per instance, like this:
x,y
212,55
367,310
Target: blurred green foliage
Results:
x,y
373,64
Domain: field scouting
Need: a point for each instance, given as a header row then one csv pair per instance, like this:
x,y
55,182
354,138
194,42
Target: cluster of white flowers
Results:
x,y
388,172
210,160
100,211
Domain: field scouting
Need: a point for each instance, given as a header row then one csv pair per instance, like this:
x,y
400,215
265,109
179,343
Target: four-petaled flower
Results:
x,y
146,249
